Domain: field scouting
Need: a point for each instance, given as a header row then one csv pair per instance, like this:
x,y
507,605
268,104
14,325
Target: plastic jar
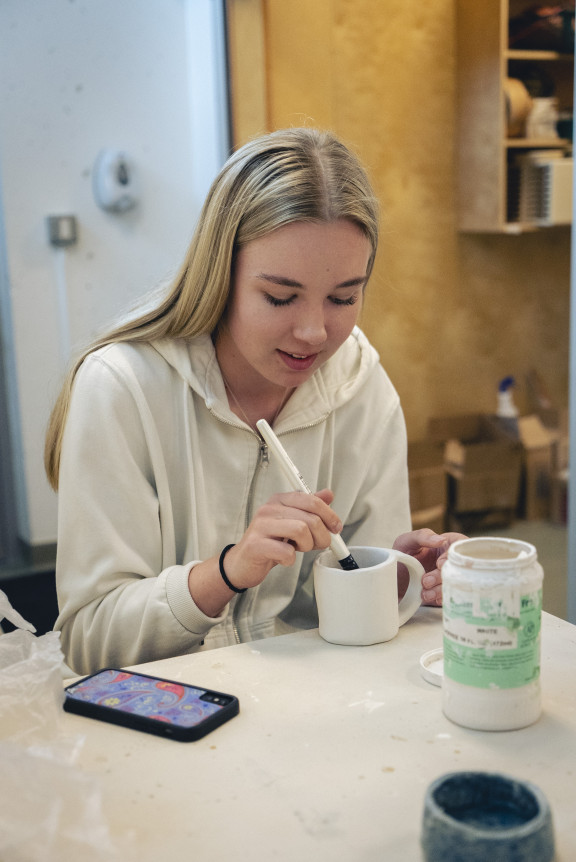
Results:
x,y
492,609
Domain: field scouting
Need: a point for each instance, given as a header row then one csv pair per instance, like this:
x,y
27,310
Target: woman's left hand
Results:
x,y
430,549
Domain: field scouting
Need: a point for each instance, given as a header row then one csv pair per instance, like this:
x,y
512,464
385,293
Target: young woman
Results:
x,y
176,531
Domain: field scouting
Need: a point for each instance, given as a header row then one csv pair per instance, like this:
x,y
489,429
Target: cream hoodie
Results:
x,y
157,474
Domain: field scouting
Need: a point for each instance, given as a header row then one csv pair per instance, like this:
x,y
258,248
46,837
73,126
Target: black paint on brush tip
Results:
x,y
349,563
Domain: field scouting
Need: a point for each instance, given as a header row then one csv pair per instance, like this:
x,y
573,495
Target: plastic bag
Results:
x,y
49,809
31,693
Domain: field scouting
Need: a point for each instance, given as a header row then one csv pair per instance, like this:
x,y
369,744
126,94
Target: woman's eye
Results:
x,y
350,300
275,301
288,300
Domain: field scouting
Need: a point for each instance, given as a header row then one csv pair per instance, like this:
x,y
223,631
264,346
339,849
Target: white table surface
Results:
x,y
330,756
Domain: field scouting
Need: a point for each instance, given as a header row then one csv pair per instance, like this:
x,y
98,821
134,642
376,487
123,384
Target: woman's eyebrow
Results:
x,y
289,282
354,282
279,279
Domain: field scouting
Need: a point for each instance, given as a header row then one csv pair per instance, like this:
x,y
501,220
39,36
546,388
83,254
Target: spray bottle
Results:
x,y
507,412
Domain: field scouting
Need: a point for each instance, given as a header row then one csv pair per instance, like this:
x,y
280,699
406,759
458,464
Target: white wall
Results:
x,y
75,77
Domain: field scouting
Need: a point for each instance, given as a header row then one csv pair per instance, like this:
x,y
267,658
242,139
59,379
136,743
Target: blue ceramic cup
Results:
x,y
479,816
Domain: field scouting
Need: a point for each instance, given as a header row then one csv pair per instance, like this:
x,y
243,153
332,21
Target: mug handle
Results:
x,y
412,598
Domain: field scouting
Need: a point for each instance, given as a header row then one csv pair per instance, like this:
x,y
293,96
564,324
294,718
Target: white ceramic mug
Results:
x,y
360,607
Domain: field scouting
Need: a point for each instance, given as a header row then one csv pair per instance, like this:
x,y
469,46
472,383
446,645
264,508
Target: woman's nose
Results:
x,y
311,327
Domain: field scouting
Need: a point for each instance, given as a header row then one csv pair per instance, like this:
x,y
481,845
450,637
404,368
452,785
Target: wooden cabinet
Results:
x,y
489,158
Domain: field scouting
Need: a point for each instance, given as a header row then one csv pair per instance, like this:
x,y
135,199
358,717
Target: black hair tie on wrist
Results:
x,y
223,573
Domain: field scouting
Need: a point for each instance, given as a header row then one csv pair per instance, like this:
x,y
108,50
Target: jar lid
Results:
x,y
492,553
432,666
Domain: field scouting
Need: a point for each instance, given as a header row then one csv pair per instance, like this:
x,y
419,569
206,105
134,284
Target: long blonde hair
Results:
x,y
286,176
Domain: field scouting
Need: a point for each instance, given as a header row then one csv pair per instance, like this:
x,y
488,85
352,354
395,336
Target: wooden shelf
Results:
x,y
537,56
538,143
487,160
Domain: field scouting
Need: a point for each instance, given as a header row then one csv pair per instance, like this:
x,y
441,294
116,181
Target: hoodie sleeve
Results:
x,y
122,597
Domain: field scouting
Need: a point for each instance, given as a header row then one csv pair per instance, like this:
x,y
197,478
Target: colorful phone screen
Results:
x,y
148,697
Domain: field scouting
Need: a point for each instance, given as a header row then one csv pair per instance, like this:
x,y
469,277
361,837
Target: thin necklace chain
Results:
x,y
243,412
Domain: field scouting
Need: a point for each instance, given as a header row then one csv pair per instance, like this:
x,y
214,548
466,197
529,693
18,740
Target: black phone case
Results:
x,y
151,725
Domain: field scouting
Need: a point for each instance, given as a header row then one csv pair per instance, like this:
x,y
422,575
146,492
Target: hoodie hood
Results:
x,y
333,384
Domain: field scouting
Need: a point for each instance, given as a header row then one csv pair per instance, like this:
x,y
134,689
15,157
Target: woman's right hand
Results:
x,y
287,523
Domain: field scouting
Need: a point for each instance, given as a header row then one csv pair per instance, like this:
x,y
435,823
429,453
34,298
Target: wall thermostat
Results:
x,y
114,181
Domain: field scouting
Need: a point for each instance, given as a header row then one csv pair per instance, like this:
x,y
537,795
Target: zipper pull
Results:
x,y
264,455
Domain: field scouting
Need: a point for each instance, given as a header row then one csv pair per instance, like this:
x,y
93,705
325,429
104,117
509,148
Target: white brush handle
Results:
x,y
292,473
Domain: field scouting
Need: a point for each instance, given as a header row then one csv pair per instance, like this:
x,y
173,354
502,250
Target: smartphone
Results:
x,y
149,703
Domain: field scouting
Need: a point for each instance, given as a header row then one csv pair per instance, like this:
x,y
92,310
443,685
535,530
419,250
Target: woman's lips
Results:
x,y
296,361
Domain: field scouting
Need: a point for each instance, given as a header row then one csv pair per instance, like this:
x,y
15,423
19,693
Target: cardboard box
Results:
x,y
428,485
483,460
559,498
562,445
539,456
482,523
434,519
561,472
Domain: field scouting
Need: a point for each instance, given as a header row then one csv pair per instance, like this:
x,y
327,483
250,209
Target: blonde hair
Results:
x,y
287,176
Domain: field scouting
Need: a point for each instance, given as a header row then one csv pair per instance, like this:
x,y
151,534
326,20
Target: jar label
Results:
x,y
492,639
